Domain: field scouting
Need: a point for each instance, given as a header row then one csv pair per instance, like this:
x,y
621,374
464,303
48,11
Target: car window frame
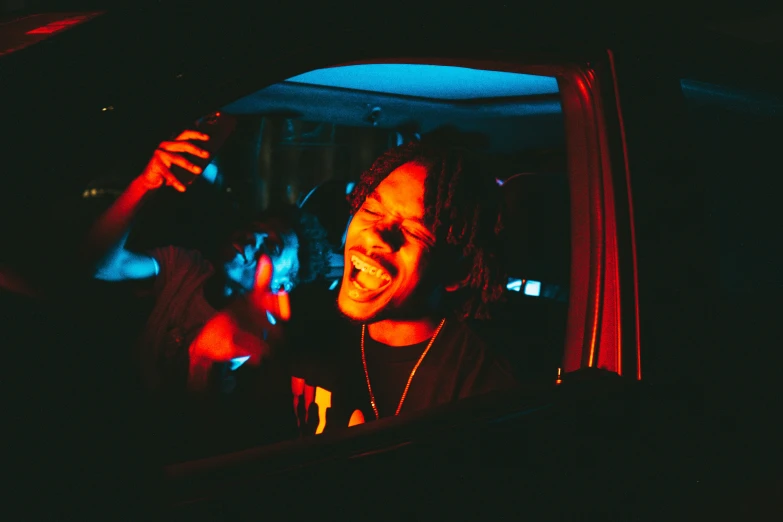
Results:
x,y
598,334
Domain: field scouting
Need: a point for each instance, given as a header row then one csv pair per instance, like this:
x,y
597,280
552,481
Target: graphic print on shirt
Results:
x,y
312,405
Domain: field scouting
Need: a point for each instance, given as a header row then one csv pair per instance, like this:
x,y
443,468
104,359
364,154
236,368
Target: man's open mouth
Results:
x,y
367,276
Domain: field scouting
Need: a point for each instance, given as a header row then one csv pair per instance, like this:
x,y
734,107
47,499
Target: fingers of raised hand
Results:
x,y
192,135
165,160
183,146
170,159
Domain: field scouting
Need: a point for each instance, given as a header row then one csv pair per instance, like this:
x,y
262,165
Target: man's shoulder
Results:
x,y
485,366
179,270
462,335
176,258
464,343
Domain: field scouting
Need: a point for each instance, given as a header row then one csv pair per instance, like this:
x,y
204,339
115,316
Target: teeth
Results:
x,y
369,269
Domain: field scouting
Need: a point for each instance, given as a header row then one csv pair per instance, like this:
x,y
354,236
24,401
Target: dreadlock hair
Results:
x,y
314,247
462,209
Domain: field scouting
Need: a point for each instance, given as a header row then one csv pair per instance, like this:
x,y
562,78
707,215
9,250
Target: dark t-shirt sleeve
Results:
x,y
179,312
177,264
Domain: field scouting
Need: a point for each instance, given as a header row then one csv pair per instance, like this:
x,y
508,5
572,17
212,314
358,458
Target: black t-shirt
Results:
x,y
389,368
330,390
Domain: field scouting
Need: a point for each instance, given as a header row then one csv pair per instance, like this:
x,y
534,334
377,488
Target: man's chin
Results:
x,y
360,313
374,311
355,311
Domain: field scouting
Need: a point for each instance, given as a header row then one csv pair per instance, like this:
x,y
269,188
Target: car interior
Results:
x,y
306,140
635,169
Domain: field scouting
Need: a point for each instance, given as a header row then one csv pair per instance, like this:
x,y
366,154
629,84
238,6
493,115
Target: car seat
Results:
x,y
529,327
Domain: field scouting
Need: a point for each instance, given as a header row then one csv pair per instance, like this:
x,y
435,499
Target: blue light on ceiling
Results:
x,y
430,81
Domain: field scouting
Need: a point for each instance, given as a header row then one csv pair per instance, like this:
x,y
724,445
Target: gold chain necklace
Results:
x,y
410,378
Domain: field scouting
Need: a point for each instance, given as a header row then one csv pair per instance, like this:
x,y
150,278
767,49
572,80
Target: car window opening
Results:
x,y
348,261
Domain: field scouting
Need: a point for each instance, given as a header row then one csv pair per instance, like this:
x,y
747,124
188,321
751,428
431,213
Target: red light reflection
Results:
x,y
57,26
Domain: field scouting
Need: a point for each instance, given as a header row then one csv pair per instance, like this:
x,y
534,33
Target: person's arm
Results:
x,y
104,249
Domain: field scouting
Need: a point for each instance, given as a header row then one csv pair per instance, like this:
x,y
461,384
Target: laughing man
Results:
x,y
420,260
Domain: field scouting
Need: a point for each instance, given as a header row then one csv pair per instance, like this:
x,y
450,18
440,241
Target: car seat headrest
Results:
x,y
537,227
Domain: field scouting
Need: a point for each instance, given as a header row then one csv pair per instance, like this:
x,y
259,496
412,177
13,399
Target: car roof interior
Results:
x,y
506,108
511,114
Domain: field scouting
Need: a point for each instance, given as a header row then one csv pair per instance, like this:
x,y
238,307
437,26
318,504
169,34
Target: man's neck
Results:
x,y
395,332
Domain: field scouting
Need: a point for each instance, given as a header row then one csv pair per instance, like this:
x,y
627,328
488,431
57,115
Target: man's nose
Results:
x,y
388,236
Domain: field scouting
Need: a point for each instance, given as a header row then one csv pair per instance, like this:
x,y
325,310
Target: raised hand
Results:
x,y
158,170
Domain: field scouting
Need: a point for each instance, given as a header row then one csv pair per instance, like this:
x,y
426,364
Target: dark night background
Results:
x,y
753,33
